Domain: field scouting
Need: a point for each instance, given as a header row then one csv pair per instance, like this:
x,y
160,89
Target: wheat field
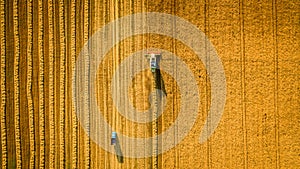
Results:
x,y
257,42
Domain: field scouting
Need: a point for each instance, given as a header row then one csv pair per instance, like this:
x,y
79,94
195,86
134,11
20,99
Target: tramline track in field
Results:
x,y
155,99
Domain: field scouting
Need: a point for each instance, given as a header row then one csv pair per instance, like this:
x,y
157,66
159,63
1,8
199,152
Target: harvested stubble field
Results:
x,y
257,41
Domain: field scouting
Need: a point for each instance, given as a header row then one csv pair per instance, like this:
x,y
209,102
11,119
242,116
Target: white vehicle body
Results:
x,y
113,138
153,63
154,58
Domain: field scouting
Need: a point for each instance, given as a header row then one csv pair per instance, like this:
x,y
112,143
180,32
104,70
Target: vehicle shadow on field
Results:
x,y
118,151
160,84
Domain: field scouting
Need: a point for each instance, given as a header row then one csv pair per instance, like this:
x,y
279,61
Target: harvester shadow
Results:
x,y
160,84
118,151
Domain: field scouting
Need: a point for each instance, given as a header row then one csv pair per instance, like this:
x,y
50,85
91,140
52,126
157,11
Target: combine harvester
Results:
x,y
117,147
113,138
154,58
